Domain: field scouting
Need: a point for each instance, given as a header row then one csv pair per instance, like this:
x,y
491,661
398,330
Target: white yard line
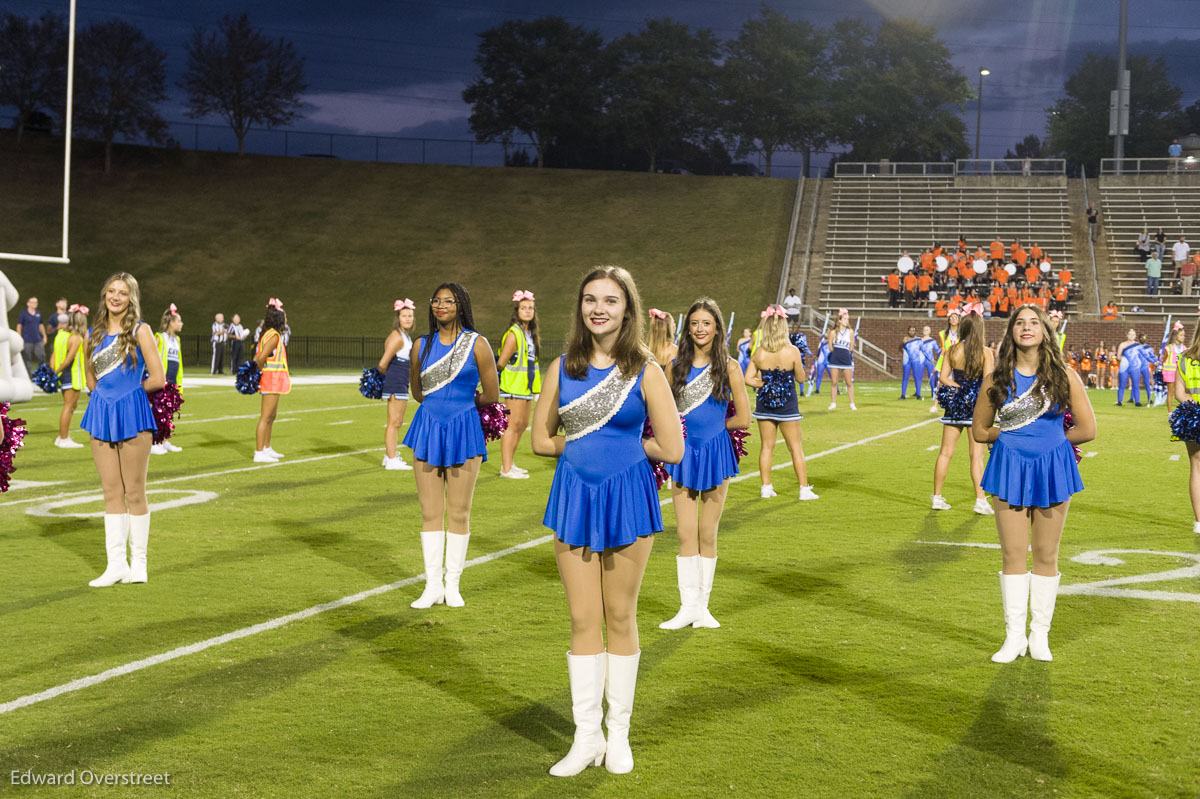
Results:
x,y
359,406
1174,457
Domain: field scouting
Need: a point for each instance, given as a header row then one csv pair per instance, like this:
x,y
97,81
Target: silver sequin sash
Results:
x,y
696,392
590,411
1023,410
442,372
108,359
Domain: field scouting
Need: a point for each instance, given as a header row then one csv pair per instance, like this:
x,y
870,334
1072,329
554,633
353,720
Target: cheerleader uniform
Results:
x,y
708,458
1032,464
840,357
73,377
172,359
395,379
1131,367
822,366
959,402
913,367
776,400
275,377
119,409
520,378
446,431
603,495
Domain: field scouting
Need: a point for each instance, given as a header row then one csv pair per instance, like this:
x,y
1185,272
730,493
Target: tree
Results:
x,y
544,79
897,95
1029,147
1078,123
244,77
121,79
33,65
1193,117
775,86
663,89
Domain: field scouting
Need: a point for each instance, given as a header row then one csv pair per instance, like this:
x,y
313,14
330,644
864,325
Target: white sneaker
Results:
x,y
852,407
1196,528
171,447
939,503
67,443
806,493
270,451
833,406
158,449
516,468
934,408
264,456
766,492
983,508
513,474
396,464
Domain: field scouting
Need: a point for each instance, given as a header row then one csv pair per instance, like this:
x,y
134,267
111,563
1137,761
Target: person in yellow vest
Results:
x,y
1056,319
520,378
1186,387
167,339
1172,350
271,356
64,360
946,339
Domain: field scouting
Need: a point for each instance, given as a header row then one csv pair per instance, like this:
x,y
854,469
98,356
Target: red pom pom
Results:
x,y
12,438
165,403
494,419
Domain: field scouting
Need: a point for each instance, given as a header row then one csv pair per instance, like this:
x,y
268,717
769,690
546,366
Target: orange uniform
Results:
x,y
1109,313
925,283
910,282
893,282
997,250
1032,274
1020,256
1064,276
1036,253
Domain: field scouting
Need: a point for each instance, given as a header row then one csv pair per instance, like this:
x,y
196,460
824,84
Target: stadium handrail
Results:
x,y
893,169
812,226
1091,245
1010,166
789,250
1150,166
814,319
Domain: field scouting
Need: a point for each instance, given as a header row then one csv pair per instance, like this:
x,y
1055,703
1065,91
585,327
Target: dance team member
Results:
x,y
929,357
1032,471
520,379
1101,366
446,435
800,342
945,338
772,371
743,349
603,505
66,360
661,339
704,380
1149,359
821,368
1129,356
841,358
1186,387
395,365
963,370
170,353
913,360
271,357
118,351
1174,348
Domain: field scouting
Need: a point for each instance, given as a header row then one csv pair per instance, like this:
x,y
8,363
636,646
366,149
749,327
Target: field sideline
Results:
x,y
853,657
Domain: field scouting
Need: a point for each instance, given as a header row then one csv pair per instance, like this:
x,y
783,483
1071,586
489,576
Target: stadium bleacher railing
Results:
x,y
947,169
815,319
893,169
1150,166
1011,166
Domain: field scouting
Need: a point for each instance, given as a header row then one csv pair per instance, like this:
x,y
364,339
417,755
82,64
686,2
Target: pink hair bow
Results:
x,y
275,303
522,295
83,309
973,307
173,309
773,310
843,312
1178,326
404,303
657,314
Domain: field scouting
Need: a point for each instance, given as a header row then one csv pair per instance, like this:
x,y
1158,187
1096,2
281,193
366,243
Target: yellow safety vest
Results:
x,y
947,338
1062,342
520,376
62,342
161,340
755,340
1189,371
275,377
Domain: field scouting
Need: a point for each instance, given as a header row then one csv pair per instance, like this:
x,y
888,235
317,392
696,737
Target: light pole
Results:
x,y
979,109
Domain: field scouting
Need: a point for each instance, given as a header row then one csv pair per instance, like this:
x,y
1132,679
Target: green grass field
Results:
x,y
852,660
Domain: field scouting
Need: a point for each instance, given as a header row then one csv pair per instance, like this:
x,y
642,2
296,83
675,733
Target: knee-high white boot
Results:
x,y
1014,594
1043,591
708,568
619,689
586,673
139,540
456,558
116,533
687,570
432,544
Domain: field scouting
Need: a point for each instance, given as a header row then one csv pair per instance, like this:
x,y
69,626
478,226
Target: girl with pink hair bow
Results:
x,y
271,357
395,364
520,378
66,360
171,353
841,358
1172,351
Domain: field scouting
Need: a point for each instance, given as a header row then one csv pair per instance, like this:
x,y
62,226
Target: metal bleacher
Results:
x,y
873,216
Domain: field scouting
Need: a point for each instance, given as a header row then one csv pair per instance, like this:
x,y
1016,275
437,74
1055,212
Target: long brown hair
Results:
x,y
630,350
1052,372
127,336
970,339
661,336
515,319
167,318
718,354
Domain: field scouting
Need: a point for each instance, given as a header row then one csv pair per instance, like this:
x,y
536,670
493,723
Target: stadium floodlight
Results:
x,y
979,109
66,207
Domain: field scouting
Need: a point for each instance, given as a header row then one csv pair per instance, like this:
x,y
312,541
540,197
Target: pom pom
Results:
x,y
1185,421
658,467
959,402
738,436
248,376
12,438
370,385
46,379
776,388
800,342
165,403
494,418
1068,423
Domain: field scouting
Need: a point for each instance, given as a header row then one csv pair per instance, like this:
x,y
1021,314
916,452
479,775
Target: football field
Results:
x,y
274,653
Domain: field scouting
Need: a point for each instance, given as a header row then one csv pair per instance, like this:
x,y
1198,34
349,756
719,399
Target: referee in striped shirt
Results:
x,y
219,333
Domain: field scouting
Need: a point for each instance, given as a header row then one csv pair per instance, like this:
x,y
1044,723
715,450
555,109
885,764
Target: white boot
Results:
x,y
708,567
116,532
619,690
1042,593
456,557
432,544
1014,594
586,673
687,571
139,538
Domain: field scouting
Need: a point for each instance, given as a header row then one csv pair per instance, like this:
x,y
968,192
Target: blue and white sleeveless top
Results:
x,y
446,431
119,408
395,379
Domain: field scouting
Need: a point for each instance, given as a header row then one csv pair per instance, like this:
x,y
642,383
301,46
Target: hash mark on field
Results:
x,y
1174,457
1090,454
932,448
300,410
344,421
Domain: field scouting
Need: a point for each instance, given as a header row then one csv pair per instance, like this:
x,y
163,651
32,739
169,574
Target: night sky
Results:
x,y
398,67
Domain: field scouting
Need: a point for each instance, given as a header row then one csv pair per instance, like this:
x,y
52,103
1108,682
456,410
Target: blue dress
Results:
x,y
708,458
603,494
1032,464
118,409
776,400
445,430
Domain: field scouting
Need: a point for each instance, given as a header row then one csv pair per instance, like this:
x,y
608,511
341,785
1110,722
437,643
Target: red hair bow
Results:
x,y
275,303
400,305
522,295
657,314
83,309
173,309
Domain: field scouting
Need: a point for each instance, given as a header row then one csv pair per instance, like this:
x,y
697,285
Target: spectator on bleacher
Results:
x,y
893,284
792,304
1061,293
910,289
904,263
1027,166
1018,253
980,255
1036,253
996,250
1179,254
927,262
940,306
1175,151
1093,221
1153,274
1188,271
1064,276
1109,313
1142,248
1160,243
1032,273
924,286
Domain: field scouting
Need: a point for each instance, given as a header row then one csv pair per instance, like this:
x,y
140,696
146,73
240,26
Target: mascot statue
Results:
x,y
15,385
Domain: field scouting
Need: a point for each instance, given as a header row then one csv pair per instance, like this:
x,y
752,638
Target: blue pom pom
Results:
x,y
248,376
776,388
370,385
800,342
959,403
1185,421
45,378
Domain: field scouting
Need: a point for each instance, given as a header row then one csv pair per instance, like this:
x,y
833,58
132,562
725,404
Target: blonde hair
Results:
x,y
77,323
774,333
127,336
630,350
662,336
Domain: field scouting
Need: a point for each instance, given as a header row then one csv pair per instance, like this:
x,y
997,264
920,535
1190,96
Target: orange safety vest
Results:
x,y
275,376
